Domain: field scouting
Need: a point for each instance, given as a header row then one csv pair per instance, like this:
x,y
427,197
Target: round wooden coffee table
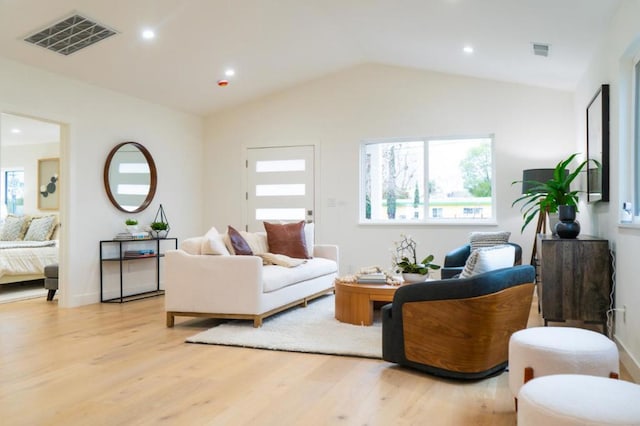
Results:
x,y
354,301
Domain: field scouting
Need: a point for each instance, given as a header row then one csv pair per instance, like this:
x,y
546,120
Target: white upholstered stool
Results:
x,y
542,351
572,399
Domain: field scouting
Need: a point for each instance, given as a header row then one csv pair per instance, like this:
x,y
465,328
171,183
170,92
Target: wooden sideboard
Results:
x,y
574,279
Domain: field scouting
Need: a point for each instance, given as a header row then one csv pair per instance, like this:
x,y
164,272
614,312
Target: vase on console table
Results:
x,y
568,227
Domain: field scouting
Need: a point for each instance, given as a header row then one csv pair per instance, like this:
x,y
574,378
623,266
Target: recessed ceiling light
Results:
x,y
467,49
16,131
148,34
229,72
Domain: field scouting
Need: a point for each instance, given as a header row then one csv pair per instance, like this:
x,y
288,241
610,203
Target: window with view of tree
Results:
x,y
422,180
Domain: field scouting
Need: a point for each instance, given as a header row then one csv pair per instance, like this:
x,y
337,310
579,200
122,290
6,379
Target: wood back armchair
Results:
x,y
458,328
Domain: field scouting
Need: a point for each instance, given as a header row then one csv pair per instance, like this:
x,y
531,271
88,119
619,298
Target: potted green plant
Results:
x,y
406,262
159,229
547,197
131,225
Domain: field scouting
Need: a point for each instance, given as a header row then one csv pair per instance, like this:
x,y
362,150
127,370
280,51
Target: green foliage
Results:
x,y
159,226
410,267
476,171
405,259
547,196
131,222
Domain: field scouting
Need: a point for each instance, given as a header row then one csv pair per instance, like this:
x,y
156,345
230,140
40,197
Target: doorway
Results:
x,y
30,148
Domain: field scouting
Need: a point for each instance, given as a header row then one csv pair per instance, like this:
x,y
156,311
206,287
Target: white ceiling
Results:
x,y
275,44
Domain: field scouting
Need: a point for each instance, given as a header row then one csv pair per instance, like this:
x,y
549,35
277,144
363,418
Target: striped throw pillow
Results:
x,y
488,239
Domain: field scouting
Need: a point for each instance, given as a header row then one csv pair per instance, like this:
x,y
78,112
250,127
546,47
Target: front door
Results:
x,y
279,185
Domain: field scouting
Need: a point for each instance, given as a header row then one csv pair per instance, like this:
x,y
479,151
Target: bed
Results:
x,y
27,245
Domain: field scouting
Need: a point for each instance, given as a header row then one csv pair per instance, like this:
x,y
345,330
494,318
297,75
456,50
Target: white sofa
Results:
x,y
241,287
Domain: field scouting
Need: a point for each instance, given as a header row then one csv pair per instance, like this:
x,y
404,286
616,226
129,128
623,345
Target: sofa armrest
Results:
x,y
209,283
326,251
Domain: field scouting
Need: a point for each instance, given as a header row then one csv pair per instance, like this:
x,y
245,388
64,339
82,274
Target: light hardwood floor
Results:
x,y
110,364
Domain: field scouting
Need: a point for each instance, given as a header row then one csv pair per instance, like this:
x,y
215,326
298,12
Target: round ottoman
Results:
x,y
559,350
573,399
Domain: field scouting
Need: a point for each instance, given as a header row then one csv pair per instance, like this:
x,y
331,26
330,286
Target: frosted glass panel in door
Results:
x,y
280,185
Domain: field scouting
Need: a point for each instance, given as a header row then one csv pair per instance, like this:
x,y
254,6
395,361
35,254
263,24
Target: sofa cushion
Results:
x,y
238,243
488,259
488,239
281,260
257,241
192,245
212,243
276,277
287,239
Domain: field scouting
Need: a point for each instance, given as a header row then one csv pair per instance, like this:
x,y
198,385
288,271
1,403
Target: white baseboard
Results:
x,y
628,361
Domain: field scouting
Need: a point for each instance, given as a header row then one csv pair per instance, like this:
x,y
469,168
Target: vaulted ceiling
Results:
x,y
275,44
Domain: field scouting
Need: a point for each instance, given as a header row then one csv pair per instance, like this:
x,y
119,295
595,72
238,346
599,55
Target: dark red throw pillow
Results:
x,y
287,239
239,244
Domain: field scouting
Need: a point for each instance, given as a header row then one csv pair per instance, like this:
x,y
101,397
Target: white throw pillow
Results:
x,y
488,239
257,241
192,245
309,230
212,243
488,259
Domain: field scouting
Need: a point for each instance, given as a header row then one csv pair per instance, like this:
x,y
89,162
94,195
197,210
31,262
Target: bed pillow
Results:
x,y
488,259
14,228
488,239
41,228
287,239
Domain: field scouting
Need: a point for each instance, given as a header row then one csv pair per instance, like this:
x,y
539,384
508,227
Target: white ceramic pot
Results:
x,y
414,278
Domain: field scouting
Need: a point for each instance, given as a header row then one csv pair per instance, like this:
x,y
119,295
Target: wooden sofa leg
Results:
x,y
257,321
50,295
170,319
528,375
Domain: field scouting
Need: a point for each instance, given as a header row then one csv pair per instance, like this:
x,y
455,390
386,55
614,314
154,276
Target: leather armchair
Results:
x,y
454,260
458,328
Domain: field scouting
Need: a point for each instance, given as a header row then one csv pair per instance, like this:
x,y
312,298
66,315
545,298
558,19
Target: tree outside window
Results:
x,y
457,174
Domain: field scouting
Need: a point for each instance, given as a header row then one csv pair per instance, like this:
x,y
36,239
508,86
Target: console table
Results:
x,y
121,257
575,279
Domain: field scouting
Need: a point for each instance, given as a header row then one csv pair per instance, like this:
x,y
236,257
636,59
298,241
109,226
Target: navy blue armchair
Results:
x,y
454,260
458,328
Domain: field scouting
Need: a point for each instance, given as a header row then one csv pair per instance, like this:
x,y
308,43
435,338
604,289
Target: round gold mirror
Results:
x,y
130,177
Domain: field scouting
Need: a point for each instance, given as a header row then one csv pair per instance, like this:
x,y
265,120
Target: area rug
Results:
x,y
313,329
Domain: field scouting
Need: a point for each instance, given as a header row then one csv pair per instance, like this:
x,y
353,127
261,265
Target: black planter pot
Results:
x,y
568,227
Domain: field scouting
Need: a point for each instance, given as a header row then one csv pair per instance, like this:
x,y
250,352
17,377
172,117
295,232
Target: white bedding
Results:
x,y
26,257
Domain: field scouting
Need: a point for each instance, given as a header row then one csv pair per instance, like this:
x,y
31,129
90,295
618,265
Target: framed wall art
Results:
x,y
48,184
598,146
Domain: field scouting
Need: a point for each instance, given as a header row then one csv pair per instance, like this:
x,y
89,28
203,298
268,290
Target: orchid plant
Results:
x,y
405,260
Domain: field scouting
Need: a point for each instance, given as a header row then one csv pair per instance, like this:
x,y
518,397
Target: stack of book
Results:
x,y
372,278
123,236
139,253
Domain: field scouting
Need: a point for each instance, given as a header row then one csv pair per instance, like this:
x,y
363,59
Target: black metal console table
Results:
x,y
122,257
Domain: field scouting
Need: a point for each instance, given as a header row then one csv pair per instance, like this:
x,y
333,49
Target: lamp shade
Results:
x,y
538,175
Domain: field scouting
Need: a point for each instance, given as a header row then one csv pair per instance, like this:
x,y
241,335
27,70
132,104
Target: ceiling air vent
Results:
x,y
70,35
540,49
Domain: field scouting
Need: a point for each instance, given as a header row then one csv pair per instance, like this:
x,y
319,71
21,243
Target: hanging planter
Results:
x,y
160,225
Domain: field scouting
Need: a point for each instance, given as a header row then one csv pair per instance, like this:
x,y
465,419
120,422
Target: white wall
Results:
x,y
533,128
26,157
612,65
96,120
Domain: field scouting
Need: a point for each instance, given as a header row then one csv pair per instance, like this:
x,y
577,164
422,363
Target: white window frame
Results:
x,y
635,134
426,220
